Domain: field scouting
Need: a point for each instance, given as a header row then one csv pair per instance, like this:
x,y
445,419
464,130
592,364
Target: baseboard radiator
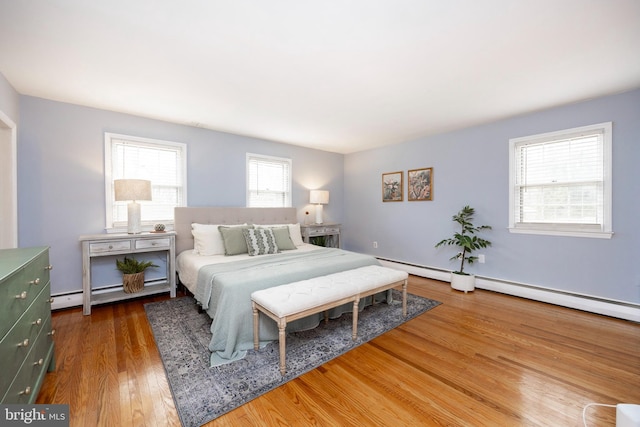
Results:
x,y
67,300
619,309
613,308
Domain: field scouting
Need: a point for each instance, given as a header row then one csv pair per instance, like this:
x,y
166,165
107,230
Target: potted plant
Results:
x,y
467,242
133,273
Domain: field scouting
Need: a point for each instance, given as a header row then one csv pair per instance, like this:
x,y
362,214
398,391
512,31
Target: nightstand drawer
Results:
x,y
112,246
153,243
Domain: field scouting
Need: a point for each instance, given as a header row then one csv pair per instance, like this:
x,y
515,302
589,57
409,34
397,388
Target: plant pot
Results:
x,y
133,282
463,282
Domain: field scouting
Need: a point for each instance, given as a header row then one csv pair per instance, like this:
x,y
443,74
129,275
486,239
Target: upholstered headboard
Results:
x,y
186,216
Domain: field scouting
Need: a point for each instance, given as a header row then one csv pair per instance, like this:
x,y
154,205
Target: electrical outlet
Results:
x,y
481,258
375,245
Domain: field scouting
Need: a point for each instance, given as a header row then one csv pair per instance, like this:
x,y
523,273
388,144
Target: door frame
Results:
x,y
8,183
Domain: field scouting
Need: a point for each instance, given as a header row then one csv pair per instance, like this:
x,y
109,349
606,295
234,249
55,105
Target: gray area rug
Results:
x,y
203,393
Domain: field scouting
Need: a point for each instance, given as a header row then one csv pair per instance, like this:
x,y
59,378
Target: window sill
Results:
x,y
566,233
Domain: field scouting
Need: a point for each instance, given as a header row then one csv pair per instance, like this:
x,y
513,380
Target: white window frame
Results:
x,y
109,140
281,160
604,229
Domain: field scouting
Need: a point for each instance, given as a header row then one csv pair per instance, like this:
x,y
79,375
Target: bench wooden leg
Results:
x,y
354,328
282,325
256,327
404,298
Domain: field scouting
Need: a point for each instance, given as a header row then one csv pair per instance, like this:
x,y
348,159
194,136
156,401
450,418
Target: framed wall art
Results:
x,y
420,184
392,187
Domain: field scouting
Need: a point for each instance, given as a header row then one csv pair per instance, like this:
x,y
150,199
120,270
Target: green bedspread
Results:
x,y
224,291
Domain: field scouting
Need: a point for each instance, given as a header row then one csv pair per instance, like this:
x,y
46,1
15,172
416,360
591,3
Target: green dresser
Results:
x,y
26,337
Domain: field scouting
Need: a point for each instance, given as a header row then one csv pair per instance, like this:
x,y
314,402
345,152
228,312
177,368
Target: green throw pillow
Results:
x,y
233,239
283,239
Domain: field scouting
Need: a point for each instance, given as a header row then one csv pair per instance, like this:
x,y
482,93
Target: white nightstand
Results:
x,y
330,231
99,245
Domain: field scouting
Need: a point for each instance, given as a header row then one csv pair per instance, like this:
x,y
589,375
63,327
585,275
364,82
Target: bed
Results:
x,y
222,283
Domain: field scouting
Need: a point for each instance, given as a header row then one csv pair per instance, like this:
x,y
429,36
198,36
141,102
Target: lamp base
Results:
x,y
318,214
133,218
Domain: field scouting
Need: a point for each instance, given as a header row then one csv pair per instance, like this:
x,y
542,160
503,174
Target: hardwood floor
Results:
x,y
479,359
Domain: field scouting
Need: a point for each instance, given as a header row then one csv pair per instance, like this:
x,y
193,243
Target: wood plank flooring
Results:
x,y
479,359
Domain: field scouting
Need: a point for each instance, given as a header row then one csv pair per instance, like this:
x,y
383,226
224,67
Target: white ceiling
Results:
x,y
337,75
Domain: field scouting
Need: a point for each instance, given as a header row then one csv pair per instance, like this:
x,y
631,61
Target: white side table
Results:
x,y
328,230
98,245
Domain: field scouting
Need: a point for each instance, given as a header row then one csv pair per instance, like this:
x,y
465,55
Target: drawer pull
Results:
x,y
110,246
49,267
39,362
24,343
50,300
37,322
52,333
23,295
35,282
26,391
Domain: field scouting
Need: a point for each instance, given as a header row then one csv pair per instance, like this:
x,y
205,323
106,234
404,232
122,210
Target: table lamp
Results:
x,y
132,190
319,198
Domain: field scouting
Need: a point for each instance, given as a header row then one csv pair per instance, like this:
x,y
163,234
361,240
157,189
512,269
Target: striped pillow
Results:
x,y
260,241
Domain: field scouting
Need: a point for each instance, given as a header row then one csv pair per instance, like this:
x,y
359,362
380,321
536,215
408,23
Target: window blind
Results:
x,y
268,181
561,181
160,162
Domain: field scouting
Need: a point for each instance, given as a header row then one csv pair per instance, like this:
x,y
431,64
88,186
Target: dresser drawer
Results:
x,y
21,338
153,243
26,384
110,246
19,290
37,271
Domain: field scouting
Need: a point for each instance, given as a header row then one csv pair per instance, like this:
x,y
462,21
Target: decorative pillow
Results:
x,y
233,239
283,240
207,239
260,241
294,232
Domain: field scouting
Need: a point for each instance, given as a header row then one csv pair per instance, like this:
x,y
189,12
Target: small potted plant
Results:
x,y
467,242
133,273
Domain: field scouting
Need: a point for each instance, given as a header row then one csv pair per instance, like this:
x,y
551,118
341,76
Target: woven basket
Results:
x,y
133,282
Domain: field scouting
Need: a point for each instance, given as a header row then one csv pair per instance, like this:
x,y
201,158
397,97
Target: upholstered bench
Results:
x,y
296,300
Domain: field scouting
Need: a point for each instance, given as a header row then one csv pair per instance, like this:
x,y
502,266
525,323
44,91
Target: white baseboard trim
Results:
x,y
69,300
618,309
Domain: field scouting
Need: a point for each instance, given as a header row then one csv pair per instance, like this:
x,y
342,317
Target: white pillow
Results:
x,y
294,231
207,239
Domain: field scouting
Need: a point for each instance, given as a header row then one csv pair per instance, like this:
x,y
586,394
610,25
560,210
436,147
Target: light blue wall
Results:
x,y
61,190
471,166
61,175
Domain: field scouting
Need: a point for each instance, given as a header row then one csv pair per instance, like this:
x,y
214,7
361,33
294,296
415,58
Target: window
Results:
x,y
268,181
560,182
161,162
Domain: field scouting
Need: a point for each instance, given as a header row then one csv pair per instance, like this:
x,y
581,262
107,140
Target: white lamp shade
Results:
x,y
319,197
132,189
